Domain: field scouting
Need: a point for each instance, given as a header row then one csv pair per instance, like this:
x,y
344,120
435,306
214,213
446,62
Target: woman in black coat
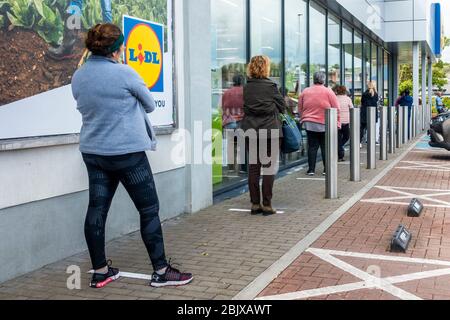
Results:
x,y
369,100
263,104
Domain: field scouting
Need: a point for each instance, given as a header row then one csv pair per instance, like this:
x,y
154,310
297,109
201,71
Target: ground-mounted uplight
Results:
x,y
415,208
401,240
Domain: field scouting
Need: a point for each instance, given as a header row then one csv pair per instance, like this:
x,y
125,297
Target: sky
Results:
x,y
446,17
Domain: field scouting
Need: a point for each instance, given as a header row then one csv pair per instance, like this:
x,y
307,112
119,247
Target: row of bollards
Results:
x,y
398,125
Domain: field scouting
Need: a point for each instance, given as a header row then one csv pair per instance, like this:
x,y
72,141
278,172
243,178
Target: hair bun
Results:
x,y
101,37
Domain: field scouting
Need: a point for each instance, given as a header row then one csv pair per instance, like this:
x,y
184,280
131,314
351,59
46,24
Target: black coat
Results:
x,y
368,101
263,104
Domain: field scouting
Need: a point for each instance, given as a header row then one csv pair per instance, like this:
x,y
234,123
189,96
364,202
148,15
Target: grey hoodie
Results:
x,y
113,101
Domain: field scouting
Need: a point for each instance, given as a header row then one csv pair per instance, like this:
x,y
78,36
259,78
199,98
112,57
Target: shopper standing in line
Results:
x,y
114,101
313,103
263,104
345,104
369,100
407,101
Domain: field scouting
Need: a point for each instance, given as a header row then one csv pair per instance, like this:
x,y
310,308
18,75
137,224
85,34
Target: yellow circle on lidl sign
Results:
x,y
144,53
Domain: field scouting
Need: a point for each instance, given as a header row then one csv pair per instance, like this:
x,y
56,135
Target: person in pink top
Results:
x,y
345,105
312,105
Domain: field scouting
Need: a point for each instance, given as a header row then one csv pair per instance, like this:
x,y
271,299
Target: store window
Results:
x,y
228,57
386,79
367,64
334,51
347,42
266,33
374,64
358,68
318,28
296,46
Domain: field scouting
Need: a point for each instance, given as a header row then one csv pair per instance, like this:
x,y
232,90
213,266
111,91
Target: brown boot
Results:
x,y
268,211
256,209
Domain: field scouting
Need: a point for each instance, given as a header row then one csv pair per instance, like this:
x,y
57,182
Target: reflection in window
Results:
x,y
386,79
358,62
367,65
334,51
266,33
296,46
317,39
374,76
228,60
228,45
347,41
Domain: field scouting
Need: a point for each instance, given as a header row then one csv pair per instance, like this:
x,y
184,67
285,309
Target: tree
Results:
x,y
439,75
440,72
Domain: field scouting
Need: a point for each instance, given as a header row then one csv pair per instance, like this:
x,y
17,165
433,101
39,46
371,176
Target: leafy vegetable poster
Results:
x,y
42,41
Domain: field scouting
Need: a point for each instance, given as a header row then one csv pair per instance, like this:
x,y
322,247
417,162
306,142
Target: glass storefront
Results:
x,y
266,33
367,63
279,29
358,68
295,46
317,39
347,44
386,78
334,51
374,66
229,58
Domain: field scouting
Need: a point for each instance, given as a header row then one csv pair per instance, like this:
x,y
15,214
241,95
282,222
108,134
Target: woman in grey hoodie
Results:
x,y
114,101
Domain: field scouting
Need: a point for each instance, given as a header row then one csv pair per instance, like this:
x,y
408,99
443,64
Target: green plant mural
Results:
x,y
36,33
21,13
45,17
50,26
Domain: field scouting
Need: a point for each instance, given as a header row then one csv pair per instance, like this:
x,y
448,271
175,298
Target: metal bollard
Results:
x,y
371,138
383,133
392,130
400,126
406,125
355,142
413,131
331,116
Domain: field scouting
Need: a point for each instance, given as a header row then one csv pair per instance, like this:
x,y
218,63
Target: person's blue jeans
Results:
x,y
106,8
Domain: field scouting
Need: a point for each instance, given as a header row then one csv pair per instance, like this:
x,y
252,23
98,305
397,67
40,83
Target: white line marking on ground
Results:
x,y
404,195
347,163
427,150
369,256
264,279
129,275
425,166
311,179
248,210
371,282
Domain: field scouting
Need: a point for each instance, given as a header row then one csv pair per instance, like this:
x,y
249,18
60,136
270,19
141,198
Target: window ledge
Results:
x,y
49,141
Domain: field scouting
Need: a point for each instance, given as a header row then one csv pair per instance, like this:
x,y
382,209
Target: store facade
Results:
x,y
300,37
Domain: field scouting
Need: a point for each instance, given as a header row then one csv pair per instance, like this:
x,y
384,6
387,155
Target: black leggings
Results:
x,y
316,140
344,137
134,172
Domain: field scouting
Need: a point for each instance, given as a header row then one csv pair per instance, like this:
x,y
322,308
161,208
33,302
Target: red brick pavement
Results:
x,y
368,228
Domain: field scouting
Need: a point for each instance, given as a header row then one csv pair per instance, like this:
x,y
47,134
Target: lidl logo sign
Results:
x,y
144,42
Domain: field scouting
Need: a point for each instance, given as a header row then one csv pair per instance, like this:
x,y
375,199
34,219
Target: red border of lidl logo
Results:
x,y
144,50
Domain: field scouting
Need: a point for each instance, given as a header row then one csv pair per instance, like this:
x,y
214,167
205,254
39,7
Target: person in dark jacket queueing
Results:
x,y
369,100
407,101
263,104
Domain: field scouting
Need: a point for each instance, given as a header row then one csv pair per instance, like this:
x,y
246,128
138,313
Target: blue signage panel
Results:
x,y
436,28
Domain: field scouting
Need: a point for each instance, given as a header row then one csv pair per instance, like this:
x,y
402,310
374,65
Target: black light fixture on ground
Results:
x,y
401,240
415,208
